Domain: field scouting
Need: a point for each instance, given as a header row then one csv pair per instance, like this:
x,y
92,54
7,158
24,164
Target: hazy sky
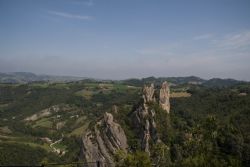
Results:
x,y
126,38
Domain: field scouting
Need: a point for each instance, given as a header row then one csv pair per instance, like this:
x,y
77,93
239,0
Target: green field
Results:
x,y
79,131
44,122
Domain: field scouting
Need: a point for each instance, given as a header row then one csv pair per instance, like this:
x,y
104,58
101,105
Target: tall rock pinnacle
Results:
x,y
164,97
148,93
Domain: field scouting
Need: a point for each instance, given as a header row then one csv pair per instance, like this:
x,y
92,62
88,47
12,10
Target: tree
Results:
x,y
160,155
137,159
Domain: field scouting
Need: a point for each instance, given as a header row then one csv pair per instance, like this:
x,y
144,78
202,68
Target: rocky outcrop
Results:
x,y
148,93
102,143
144,116
144,119
107,136
164,97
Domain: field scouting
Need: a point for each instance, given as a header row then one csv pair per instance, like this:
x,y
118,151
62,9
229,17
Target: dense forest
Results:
x,y
208,128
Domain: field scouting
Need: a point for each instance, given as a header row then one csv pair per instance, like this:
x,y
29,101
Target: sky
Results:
x,y
118,39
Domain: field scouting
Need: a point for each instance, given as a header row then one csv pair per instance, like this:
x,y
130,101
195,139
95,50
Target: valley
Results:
x,y
179,124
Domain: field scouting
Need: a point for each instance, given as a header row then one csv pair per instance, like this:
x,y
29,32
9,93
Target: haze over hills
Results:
x,y
126,39
27,77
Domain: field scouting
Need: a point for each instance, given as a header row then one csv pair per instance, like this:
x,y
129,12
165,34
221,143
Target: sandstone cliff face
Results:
x,y
144,118
164,97
103,142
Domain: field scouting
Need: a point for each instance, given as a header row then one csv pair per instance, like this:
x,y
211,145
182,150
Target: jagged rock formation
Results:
x,y
148,93
164,97
103,142
107,136
145,122
144,118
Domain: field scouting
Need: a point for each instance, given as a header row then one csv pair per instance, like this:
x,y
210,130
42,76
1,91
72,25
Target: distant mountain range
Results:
x,y
27,77
192,80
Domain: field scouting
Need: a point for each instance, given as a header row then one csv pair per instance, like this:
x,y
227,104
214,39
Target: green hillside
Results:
x,y
206,126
